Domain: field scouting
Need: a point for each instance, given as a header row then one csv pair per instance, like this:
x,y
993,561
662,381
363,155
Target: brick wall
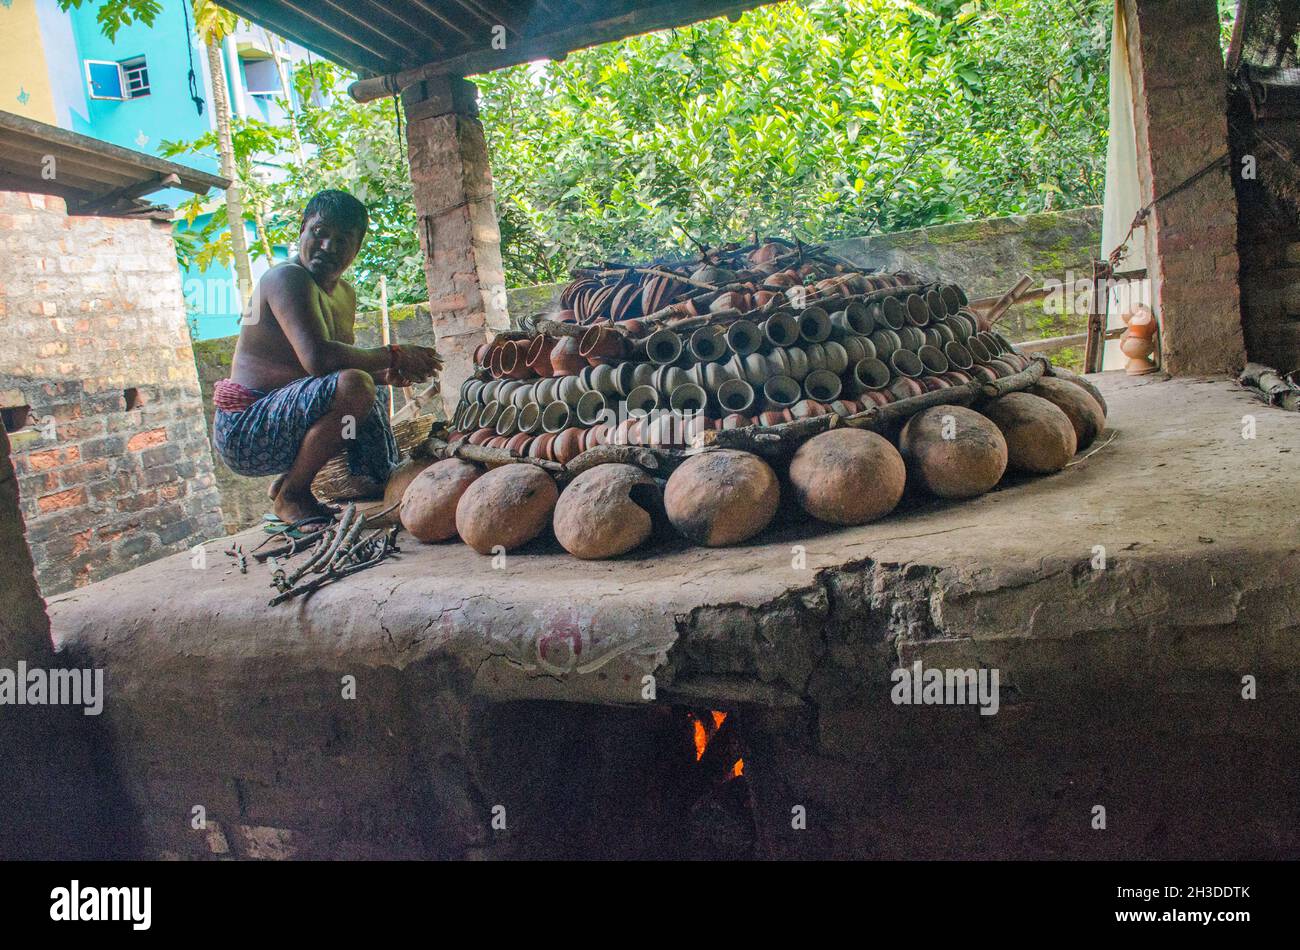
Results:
x,y
114,466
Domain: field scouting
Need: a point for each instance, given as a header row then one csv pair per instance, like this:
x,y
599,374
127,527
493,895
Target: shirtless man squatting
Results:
x,y
296,376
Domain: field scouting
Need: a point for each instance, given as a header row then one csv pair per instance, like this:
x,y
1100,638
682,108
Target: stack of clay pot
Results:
x,y
652,356
552,397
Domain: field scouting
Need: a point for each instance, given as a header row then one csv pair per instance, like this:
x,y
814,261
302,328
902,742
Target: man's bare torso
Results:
x,y
264,358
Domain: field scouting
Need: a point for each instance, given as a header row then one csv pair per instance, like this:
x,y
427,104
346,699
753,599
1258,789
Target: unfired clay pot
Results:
x,y
847,476
722,497
429,503
953,452
1083,412
603,512
507,506
1040,437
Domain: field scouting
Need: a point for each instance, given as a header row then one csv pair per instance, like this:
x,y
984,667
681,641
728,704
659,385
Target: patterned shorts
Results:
x,y
264,438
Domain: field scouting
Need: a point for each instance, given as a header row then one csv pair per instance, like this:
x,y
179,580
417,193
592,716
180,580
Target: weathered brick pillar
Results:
x,y
456,213
1180,115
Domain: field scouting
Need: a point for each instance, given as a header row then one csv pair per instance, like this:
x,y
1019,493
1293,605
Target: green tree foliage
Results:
x,y
825,117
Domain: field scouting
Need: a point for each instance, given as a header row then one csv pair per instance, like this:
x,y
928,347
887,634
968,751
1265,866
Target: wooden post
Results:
x,y
384,328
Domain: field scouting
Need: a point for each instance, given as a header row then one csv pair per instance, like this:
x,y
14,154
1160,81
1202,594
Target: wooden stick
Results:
x,y
484,455
652,459
778,440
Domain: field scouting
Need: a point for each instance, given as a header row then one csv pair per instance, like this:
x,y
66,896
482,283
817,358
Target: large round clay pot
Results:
x,y
605,511
429,503
953,452
847,476
1084,413
722,497
402,476
1040,437
508,506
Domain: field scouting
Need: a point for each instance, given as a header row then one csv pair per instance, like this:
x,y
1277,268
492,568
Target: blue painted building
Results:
x,y
149,84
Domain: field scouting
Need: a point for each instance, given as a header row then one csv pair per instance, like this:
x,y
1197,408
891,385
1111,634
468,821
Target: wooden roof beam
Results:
x,y
647,19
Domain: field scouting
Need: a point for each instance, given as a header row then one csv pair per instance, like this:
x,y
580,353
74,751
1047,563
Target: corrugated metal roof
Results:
x,y
94,177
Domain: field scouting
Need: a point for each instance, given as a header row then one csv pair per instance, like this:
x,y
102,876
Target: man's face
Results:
x,y
326,249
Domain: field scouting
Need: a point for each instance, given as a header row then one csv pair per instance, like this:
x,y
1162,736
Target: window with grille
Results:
x,y
128,79
135,75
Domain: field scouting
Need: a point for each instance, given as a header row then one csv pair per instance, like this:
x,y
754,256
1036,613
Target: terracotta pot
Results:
x,y
481,353
953,452
814,325
569,389
540,447
845,407
958,356
893,313
736,396
538,357
868,374
600,344
978,351
518,443
707,344
606,511
905,388
496,442
934,383
781,329
906,363
688,398
837,357
847,476
530,419
744,337
918,312
565,359
511,362
596,435
507,421
822,385
1141,323
938,309
507,506
952,299
879,397
642,399
857,348
956,377
774,417
556,416
912,338
807,408
753,369
885,342
663,347
722,497
781,392
591,408
1001,368
567,445
736,420
933,359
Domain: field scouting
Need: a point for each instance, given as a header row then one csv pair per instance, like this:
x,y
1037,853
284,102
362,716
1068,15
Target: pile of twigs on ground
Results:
x,y
334,551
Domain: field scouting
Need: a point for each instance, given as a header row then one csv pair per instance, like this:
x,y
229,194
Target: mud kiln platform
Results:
x,y
519,693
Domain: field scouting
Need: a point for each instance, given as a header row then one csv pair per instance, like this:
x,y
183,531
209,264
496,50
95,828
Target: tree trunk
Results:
x,y
226,151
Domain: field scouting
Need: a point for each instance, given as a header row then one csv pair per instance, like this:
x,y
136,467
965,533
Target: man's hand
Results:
x,y
415,364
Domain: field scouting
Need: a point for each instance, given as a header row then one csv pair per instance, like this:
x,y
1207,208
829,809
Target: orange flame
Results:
x,y
703,733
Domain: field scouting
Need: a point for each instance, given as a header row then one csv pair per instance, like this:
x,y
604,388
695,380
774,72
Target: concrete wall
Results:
x,y
91,315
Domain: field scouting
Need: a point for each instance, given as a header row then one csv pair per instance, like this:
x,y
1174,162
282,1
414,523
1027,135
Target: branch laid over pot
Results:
x,y
1061,372
1267,384
483,455
651,459
778,440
